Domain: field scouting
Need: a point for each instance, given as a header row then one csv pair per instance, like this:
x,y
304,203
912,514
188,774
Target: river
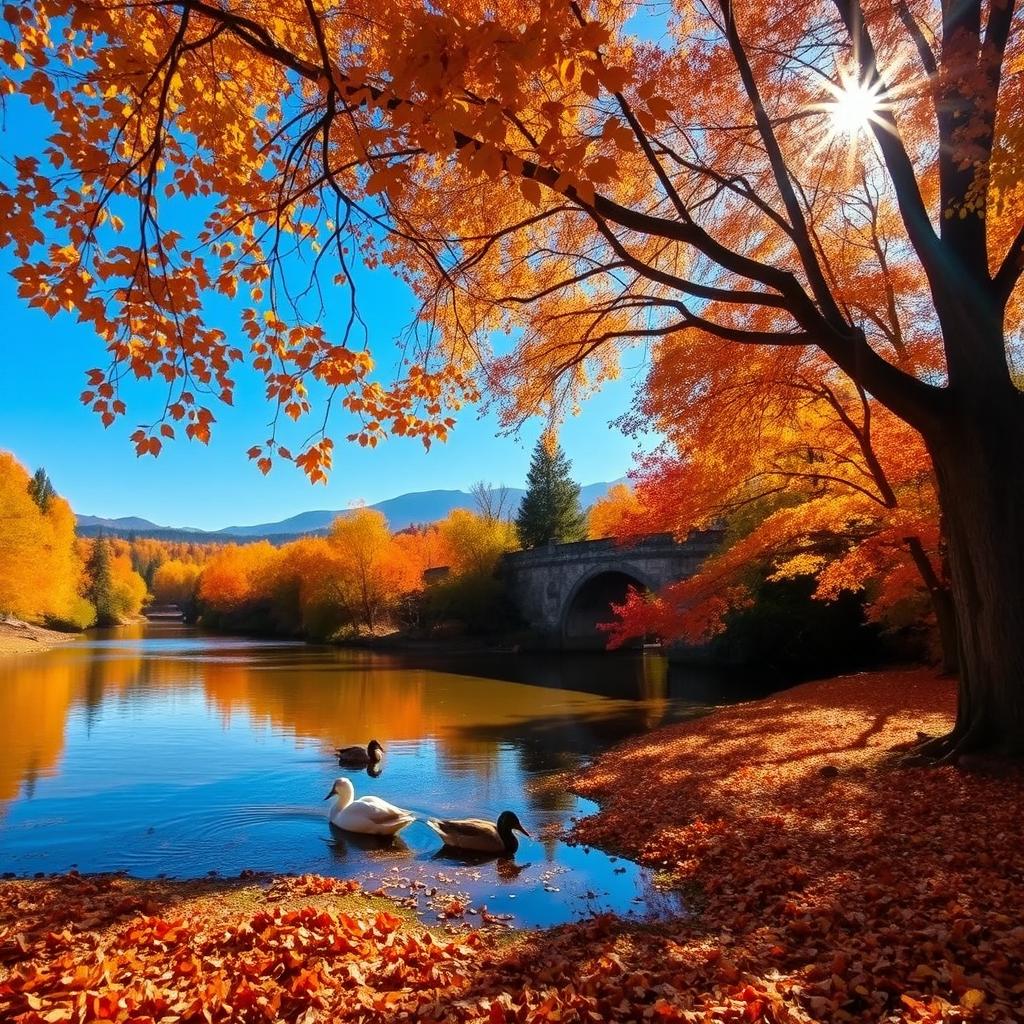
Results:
x,y
160,750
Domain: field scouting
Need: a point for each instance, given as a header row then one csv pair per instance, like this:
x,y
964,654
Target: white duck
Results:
x,y
368,815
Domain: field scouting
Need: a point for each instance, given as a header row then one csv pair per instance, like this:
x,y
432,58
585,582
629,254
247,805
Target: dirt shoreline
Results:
x,y
828,882
17,637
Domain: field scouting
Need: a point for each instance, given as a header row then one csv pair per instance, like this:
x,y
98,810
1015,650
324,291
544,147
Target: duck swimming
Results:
x,y
369,815
360,757
479,835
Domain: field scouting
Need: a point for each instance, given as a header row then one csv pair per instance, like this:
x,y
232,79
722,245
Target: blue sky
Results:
x,y
43,423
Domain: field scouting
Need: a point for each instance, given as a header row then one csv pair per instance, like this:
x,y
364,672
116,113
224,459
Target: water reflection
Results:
x,y
158,749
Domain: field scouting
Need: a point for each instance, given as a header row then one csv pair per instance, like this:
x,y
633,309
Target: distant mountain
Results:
x,y
589,493
123,525
97,526
402,511
305,522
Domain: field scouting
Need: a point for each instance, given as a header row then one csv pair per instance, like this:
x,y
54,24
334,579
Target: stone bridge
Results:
x,y
563,591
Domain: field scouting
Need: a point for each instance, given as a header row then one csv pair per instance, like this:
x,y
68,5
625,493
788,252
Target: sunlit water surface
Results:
x,y
157,749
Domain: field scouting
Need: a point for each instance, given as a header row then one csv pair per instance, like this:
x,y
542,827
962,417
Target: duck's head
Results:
x,y
375,750
508,821
343,790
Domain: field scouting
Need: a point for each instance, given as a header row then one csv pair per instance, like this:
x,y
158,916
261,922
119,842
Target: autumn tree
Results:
x,y
543,170
550,511
40,570
475,542
805,475
471,596
231,578
422,548
617,514
177,583
368,573
113,586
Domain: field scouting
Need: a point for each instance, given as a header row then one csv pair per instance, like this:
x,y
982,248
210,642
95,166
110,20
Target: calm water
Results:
x,y
159,750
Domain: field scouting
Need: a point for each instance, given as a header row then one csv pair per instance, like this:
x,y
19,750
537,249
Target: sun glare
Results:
x,y
853,106
853,109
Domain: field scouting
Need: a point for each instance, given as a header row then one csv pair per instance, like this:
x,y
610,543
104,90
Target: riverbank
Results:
x,y
17,637
848,885
827,884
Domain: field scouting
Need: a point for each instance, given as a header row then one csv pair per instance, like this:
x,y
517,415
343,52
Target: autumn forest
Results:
x,y
757,266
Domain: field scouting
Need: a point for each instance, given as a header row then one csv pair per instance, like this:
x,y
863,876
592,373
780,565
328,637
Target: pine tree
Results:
x,y
41,489
550,511
101,583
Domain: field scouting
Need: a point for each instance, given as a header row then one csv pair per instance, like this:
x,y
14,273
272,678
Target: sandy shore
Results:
x,y
17,637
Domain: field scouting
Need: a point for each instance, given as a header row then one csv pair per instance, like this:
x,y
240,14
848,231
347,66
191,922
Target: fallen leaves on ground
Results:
x,y
828,884
869,891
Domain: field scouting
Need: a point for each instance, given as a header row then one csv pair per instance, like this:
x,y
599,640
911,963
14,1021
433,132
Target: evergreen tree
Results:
x,y
41,489
101,583
550,511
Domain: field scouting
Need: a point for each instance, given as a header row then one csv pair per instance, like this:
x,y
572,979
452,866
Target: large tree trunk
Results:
x,y
978,459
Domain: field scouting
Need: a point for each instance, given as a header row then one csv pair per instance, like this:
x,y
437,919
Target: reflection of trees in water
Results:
x,y
92,697
561,709
30,778
35,696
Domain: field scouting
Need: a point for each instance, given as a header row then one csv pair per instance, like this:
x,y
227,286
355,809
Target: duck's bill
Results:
x,y
525,833
330,794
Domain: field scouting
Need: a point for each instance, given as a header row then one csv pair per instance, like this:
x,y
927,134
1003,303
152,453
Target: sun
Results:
x,y
854,106
853,109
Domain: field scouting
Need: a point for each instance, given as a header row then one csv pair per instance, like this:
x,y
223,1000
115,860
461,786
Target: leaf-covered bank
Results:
x,y
865,890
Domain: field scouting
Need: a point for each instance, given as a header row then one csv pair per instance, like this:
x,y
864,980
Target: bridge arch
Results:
x,y
561,591
590,600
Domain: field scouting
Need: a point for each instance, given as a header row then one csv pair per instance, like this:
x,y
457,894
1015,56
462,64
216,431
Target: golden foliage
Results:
x,y
615,515
176,582
40,569
475,543
806,474
232,575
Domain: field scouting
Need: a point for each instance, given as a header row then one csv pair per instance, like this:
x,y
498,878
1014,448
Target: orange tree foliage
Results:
x,y
40,568
423,548
149,553
130,591
357,576
231,577
368,571
540,168
616,514
808,475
